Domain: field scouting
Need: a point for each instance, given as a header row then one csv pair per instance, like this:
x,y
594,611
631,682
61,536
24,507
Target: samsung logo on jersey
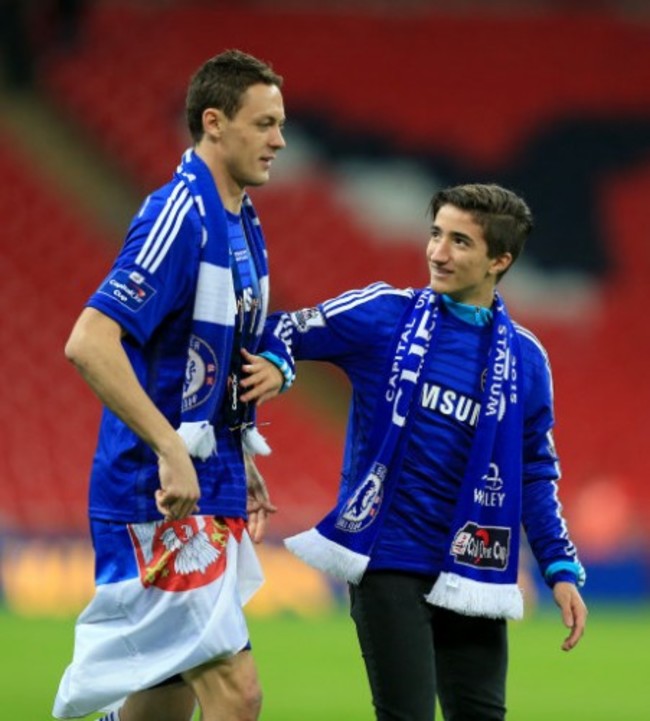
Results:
x,y
450,403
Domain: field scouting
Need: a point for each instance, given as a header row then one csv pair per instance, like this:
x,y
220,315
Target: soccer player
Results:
x,y
166,343
449,450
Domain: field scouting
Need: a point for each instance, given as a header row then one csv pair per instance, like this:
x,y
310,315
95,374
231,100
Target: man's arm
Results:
x,y
95,348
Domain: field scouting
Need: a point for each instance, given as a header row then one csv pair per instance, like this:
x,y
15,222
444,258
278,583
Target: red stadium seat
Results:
x,y
124,85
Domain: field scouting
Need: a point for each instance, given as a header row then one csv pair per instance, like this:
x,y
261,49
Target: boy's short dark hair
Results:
x,y
505,218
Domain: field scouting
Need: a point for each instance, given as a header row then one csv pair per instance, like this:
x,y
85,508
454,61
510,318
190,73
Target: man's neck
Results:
x,y
231,194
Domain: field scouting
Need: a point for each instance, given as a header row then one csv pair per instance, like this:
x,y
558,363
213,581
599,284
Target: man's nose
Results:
x,y
277,139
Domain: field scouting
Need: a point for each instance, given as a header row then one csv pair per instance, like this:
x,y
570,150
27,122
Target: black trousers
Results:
x,y
414,651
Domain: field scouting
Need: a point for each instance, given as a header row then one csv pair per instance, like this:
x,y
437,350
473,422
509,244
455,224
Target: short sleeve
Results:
x,y
155,272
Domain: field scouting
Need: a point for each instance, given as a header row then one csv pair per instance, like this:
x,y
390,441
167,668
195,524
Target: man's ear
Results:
x,y
213,122
501,263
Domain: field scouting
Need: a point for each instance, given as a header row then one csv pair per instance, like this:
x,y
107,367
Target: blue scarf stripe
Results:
x,y
212,336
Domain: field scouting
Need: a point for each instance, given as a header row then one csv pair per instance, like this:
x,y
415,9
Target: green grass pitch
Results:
x,y
311,670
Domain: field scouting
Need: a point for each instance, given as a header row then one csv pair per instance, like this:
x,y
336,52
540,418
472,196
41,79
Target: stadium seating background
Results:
x,y
477,86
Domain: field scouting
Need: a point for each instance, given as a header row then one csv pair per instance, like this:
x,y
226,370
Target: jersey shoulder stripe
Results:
x,y
148,246
532,338
353,298
165,229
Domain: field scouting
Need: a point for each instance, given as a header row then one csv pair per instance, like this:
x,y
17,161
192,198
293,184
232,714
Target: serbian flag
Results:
x,y
169,597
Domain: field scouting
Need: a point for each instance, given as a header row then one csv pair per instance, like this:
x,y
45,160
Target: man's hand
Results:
x,y
258,503
179,487
573,610
262,381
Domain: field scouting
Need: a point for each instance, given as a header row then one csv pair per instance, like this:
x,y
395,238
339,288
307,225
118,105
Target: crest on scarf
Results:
x,y
200,373
180,555
361,509
482,546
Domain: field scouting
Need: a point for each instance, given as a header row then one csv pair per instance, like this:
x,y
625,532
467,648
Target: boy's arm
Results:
x,y
340,330
542,516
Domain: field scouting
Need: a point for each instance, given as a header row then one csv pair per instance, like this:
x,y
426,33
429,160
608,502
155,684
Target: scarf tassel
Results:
x,y
201,442
327,555
475,598
199,439
254,443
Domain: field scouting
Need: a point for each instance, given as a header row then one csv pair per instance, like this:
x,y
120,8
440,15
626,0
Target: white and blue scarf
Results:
x,y
479,575
211,342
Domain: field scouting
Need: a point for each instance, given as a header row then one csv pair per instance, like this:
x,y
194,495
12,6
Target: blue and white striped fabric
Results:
x,y
165,229
352,298
211,342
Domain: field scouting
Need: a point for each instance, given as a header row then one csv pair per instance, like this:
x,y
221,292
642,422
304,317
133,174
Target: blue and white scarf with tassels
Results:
x,y
215,308
479,576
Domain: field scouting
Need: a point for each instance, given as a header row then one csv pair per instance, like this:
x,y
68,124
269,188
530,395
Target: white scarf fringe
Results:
x,y
328,556
199,439
201,442
474,598
254,442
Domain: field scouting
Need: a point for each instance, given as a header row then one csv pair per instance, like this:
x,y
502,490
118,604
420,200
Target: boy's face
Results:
x,y
458,259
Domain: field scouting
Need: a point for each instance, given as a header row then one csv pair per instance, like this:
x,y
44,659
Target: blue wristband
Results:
x,y
563,571
284,368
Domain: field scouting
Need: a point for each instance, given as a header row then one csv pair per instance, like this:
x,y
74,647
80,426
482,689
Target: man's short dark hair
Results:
x,y
220,83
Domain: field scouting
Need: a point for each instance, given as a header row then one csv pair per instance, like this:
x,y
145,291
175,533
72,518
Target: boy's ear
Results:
x,y
501,263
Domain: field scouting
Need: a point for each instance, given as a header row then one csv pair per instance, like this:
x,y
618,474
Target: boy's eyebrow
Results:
x,y
454,233
462,236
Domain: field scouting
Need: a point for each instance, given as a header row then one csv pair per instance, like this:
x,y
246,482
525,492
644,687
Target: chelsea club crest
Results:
x,y
361,509
200,373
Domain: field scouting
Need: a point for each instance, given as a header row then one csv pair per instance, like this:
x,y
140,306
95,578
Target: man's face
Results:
x,y
251,139
458,259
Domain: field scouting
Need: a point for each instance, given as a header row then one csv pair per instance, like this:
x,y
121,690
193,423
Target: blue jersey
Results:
x,y
161,254
355,332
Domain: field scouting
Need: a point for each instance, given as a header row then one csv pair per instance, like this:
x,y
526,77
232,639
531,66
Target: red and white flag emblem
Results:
x,y
182,555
